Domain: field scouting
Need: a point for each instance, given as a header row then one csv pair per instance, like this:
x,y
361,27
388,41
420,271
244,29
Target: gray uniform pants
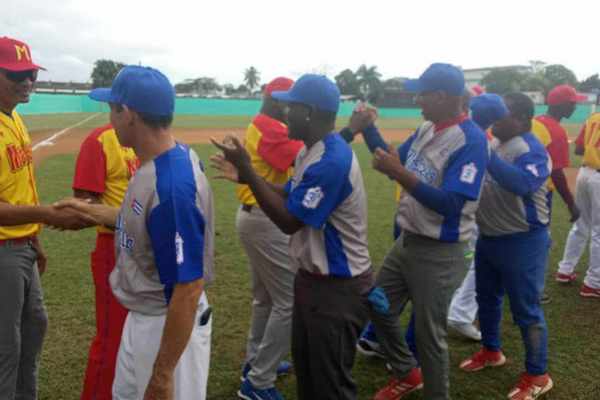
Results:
x,y
426,272
23,322
273,295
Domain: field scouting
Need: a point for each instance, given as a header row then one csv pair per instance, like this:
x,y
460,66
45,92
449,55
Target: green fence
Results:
x,y
62,103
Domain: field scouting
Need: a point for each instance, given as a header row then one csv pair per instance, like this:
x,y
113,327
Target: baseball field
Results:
x,y
573,322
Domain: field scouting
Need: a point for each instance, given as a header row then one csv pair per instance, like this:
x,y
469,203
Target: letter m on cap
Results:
x,y
22,51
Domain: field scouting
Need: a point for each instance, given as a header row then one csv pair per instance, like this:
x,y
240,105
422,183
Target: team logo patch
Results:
x,y
468,173
533,169
178,249
137,208
313,197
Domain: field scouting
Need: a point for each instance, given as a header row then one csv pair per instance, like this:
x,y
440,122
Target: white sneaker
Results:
x,y
369,348
467,330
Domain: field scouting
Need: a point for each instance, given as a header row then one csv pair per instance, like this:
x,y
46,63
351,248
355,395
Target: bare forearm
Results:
x,y
560,182
271,199
178,326
11,215
105,215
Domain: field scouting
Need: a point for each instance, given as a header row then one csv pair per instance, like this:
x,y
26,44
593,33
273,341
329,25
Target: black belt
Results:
x,y
247,207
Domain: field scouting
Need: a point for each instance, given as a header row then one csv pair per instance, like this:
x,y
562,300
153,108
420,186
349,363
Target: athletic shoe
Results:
x,y
398,388
545,298
284,368
565,278
587,291
369,348
466,329
531,387
483,358
249,392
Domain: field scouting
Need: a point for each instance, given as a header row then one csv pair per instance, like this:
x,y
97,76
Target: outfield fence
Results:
x,y
43,103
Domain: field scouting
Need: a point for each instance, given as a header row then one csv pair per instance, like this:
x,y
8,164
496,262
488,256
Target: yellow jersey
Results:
x,y
17,179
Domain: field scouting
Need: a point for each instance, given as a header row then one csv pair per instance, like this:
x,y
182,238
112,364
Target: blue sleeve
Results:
x,y
528,173
287,188
323,187
176,229
466,168
373,138
347,135
445,203
405,147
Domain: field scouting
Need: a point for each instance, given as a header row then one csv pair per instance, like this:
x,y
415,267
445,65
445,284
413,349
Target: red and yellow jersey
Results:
x,y
105,167
589,139
555,139
272,153
17,180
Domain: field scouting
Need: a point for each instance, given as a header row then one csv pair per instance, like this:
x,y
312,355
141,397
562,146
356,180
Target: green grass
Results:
x,y
37,123
573,322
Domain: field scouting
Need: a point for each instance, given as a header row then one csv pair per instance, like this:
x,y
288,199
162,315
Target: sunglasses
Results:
x,y
20,76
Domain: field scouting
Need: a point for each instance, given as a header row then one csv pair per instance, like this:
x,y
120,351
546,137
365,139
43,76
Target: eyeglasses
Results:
x,y
20,76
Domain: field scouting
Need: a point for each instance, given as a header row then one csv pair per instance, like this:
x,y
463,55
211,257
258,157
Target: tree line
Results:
x,y
366,81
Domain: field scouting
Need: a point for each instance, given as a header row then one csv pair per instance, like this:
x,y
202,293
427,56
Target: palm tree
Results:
x,y
369,80
251,77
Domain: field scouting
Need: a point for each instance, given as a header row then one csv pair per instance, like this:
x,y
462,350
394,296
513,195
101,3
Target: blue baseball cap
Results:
x,y
443,77
142,89
486,109
313,90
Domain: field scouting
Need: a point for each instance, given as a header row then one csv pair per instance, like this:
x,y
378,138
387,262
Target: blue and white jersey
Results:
x,y
327,194
164,233
453,159
503,212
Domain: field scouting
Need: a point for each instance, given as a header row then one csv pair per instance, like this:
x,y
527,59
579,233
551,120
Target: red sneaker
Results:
x,y
398,388
565,278
587,291
530,387
483,358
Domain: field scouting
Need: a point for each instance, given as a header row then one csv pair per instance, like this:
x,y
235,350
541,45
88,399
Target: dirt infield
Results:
x,y
70,143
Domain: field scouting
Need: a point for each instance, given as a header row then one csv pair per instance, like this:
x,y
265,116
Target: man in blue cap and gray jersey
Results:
x,y
164,246
323,207
441,168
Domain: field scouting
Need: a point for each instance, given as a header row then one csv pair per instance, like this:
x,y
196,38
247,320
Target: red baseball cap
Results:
x,y
564,94
15,55
280,84
477,90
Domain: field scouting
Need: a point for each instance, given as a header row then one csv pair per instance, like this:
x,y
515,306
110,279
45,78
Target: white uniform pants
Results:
x,y
139,346
587,198
463,308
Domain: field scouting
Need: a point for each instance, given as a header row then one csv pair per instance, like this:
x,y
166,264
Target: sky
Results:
x,y
221,39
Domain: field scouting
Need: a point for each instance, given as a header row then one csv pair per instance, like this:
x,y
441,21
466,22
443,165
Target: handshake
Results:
x,y
73,214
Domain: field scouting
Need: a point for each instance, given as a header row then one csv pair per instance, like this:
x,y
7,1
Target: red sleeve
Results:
x,y
90,168
559,148
276,148
580,141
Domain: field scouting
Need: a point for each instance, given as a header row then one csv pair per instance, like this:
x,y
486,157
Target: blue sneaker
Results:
x,y
284,368
249,392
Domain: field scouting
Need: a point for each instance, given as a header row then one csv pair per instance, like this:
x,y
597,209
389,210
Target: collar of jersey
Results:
x,y
440,126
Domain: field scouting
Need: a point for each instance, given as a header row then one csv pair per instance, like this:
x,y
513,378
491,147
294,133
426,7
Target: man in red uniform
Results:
x,y
547,128
102,173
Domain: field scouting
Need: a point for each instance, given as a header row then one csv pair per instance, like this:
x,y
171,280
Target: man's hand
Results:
x,y
68,218
387,162
226,169
95,214
236,154
360,120
42,260
160,387
575,213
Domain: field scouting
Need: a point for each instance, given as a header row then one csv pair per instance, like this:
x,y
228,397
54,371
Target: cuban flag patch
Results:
x,y
137,207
